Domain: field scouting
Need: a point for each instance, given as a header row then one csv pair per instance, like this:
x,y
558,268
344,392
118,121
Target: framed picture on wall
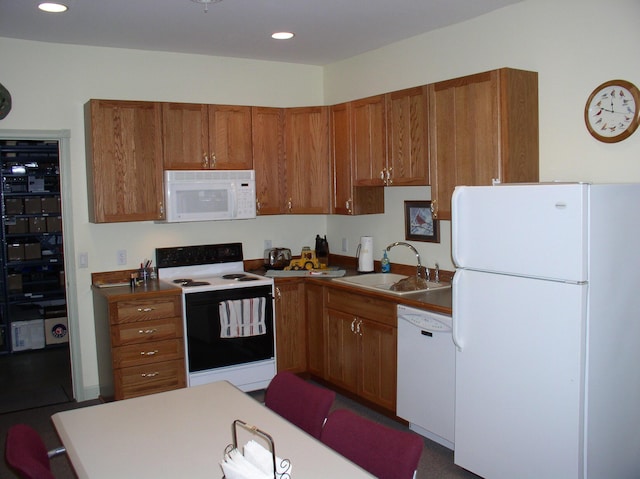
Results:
x,y
419,223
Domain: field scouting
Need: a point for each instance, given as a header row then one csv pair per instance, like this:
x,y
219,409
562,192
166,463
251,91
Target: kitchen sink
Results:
x,y
384,281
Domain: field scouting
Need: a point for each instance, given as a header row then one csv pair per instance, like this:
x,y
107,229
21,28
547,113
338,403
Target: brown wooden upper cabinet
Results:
x,y
407,132
268,159
483,128
369,141
389,139
307,172
348,199
197,136
124,160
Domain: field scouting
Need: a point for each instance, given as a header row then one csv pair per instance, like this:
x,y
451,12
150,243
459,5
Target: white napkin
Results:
x,y
263,459
236,466
256,463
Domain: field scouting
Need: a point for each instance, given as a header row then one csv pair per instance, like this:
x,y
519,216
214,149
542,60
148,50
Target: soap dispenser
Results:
x,y
386,265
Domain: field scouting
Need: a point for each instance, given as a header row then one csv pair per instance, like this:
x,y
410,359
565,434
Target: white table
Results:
x,y
183,433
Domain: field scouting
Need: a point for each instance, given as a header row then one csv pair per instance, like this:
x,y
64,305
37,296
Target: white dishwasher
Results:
x,y
426,373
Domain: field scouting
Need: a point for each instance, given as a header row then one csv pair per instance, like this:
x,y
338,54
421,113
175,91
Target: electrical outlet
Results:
x,y
122,257
345,245
83,260
267,244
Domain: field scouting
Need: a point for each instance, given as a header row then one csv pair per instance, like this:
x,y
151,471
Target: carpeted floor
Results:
x,y
436,461
35,379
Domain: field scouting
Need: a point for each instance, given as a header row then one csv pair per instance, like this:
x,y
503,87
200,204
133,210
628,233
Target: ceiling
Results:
x,y
326,31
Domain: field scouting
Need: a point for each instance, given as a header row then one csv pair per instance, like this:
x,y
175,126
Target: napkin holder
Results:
x,y
285,464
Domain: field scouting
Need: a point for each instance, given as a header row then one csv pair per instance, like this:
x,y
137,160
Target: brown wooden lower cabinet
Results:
x,y
140,336
291,341
361,346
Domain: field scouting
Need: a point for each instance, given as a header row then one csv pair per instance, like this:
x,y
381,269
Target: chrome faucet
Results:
x,y
437,278
419,269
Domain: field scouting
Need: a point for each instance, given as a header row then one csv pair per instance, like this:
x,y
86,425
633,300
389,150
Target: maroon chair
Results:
x,y
299,402
384,452
26,453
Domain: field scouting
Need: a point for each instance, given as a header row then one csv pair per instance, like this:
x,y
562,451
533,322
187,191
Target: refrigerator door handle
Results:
x,y
455,308
454,229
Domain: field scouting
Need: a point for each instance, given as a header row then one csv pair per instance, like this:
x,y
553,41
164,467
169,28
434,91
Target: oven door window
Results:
x,y
206,348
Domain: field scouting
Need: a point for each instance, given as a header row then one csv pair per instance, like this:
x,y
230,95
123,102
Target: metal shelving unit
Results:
x,y
32,286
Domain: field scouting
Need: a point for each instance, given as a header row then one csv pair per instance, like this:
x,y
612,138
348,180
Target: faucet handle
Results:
x,y
437,278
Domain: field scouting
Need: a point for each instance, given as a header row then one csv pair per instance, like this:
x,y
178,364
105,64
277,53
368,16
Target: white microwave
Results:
x,y
207,195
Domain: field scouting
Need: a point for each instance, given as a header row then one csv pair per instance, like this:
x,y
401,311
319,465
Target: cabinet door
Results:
x,y
377,366
342,203
268,159
342,350
407,120
125,155
230,137
348,199
315,329
369,141
464,124
307,160
185,137
291,328
482,128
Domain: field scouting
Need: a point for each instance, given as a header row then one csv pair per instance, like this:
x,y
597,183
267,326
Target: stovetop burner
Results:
x,y
234,276
189,282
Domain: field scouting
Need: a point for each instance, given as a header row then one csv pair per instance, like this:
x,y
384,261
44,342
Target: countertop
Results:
x,y
438,300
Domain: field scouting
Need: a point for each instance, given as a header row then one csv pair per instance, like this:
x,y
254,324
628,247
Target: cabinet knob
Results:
x,y
149,375
289,205
434,209
347,205
389,181
278,294
213,161
383,174
149,353
205,160
145,310
353,325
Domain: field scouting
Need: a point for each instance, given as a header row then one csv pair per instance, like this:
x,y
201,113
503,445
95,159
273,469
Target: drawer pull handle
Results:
x,y
144,310
147,331
149,375
149,353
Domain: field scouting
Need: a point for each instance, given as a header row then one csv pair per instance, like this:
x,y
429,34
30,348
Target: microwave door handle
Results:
x,y
233,201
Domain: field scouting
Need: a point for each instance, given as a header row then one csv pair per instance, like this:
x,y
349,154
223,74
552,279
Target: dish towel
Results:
x,y
256,463
242,318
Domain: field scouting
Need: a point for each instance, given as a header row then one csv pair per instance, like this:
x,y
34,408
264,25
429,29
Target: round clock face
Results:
x,y
611,112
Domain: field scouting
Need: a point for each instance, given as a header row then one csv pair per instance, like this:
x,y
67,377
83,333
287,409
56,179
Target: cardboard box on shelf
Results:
x,y
33,205
51,205
37,224
13,206
27,335
54,224
15,252
14,283
32,251
56,330
17,225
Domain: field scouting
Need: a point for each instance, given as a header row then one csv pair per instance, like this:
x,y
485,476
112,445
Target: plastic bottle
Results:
x,y
384,262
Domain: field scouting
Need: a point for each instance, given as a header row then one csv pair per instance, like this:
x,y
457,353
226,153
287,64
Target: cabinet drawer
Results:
x,y
158,330
362,306
154,378
146,309
147,353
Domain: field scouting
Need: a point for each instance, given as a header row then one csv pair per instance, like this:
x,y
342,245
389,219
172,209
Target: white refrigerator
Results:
x,y
546,322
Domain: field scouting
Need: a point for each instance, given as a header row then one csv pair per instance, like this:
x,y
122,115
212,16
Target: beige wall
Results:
x,y
560,40
574,45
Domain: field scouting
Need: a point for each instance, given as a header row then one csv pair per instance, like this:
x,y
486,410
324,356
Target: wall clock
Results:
x,y
611,112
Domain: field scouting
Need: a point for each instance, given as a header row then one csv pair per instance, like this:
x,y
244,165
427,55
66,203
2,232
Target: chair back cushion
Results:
x,y
304,404
26,453
384,452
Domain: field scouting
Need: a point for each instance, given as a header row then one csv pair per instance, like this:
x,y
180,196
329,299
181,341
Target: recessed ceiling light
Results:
x,y
282,35
52,7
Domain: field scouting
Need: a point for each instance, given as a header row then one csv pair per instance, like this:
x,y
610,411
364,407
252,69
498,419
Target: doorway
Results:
x,y
35,355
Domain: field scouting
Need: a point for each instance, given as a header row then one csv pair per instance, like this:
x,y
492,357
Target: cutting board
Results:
x,y
314,273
